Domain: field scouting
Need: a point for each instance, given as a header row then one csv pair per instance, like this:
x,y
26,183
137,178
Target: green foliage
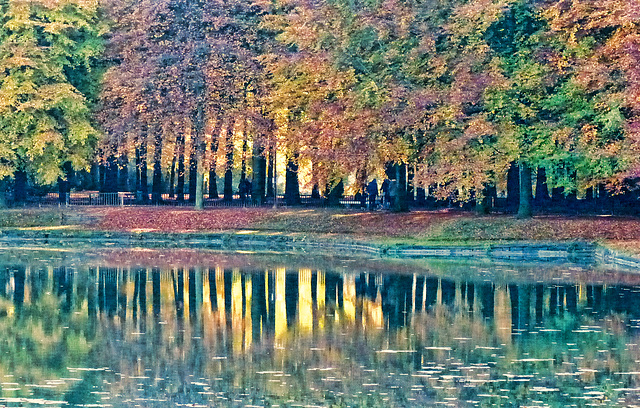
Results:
x,y
48,52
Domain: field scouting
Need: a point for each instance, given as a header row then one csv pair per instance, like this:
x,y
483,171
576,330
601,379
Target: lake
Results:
x,y
150,328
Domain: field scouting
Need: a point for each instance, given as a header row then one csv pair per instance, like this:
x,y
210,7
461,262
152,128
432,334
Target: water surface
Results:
x,y
158,330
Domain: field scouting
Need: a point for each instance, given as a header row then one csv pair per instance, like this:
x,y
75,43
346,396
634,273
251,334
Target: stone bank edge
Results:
x,y
574,251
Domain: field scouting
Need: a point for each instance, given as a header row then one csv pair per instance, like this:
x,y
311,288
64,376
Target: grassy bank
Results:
x,y
418,227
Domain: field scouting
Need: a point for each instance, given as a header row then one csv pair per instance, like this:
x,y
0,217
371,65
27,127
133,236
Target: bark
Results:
x,y
213,183
335,194
421,197
180,186
198,146
193,166
410,187
399,199
228,175
572,196
19,187
589,194
144,182
156,193
102,174
142,185
513,187
604,201
557,195
243,166
245,147
62,190
95,176
270,170
542,189
526,196
137,171
123,172
111,175
292,185
3,193
259,166
172,177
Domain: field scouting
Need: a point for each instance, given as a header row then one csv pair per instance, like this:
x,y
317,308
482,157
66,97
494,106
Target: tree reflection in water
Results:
x,y
235,337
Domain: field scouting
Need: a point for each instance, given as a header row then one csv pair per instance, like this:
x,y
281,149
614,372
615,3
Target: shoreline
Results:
x,y
578,251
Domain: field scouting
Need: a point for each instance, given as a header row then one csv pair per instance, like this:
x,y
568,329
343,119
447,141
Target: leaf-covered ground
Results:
x,y
416,226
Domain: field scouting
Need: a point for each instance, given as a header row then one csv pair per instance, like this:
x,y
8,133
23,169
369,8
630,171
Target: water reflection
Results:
x,y
108,336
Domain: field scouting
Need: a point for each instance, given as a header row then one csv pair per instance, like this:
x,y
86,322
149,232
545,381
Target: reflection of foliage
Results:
x,y
83,392
460,347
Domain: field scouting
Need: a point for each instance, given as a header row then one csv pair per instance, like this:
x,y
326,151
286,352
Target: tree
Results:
x,y
49,70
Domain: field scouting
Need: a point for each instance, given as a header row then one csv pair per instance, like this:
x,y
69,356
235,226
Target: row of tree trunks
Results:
x,y
113,172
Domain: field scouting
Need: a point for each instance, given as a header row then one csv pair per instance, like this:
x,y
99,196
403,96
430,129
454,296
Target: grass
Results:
x,y
417,227
31,218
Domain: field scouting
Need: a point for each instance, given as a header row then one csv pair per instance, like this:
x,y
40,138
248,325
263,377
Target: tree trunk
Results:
x,y
64,185
572,196
542,189
111,176
180,186
513,187
410,187
589,194
399,196
156,189
213,182
95,176
292,186
123,172
557,195
172,176
526,196
142,189
3,193
198,146
228,175
335,194
19,187
270,170
138,189
245,147
259,166
102,170
243,166
421,197
193,167
144,182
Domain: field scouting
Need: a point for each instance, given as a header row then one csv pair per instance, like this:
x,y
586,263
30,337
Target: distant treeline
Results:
x,y
457,100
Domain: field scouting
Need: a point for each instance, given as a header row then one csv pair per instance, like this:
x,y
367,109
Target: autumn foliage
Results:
x,y
452,93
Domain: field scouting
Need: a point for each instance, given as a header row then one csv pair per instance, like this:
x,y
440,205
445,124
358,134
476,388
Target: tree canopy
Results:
x,y
456,91
50,55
